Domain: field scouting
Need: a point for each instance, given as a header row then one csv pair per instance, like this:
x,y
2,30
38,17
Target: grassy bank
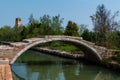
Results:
x,y
58,45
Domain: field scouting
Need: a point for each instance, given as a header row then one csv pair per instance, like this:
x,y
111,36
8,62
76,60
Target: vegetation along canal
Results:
x,y
38,66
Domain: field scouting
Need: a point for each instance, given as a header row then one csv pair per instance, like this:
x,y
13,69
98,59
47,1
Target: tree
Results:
x,y
46,25
5,33
16,33
10,34
33,28
88,35
71,29
24,33
56,25
51,25
104,25
82,28
113,40
31,20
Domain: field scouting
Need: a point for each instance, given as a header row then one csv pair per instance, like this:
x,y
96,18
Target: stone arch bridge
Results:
x,y
92,52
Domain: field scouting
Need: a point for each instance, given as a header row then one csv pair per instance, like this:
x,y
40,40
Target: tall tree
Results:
x,y
71,29
103,22
82,28
51,25
46,25
57,25
31,19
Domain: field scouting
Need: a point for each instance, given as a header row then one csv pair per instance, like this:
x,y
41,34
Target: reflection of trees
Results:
x,y
72,72
46,72
79,72
66,72
44,67
106,75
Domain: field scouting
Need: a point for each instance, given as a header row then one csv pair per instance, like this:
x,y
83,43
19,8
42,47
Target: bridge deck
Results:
x,y
8,52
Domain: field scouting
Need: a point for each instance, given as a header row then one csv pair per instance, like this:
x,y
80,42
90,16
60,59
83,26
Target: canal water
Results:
x,y
38,66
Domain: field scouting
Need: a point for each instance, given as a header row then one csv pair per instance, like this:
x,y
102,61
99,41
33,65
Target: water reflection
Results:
x,y
60,69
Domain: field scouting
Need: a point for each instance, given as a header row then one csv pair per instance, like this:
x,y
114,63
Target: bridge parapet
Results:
x,y
16,44
59,36
69,37
31,40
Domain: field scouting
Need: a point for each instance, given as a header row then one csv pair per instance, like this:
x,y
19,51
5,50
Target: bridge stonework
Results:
x,y
92,52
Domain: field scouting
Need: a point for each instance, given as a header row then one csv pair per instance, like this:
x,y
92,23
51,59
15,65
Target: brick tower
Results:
x,y
18,22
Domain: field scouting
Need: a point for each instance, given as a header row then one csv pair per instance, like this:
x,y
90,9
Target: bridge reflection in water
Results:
x,y
54,68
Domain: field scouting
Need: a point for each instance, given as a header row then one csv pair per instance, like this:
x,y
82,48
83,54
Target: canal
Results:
x,y
38,66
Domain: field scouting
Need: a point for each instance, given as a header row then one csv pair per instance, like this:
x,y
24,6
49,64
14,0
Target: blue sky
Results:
x,y
78,11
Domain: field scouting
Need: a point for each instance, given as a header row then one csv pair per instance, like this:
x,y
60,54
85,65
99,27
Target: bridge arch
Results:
x,y
90,53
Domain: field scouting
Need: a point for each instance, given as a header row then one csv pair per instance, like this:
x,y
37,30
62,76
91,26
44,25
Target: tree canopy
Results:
x,y
71,29
106,31
105,25
47,25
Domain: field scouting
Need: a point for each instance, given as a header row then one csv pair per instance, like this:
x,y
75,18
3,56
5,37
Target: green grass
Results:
x,y
61,46
67,48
